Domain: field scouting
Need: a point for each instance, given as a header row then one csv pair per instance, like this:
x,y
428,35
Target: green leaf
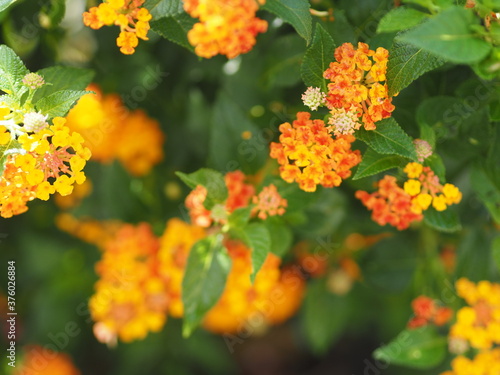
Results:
x,y
373,163
495,251
435,162
175,28
390,264
239,217
4,4
60,78
258,239
59,102
388,138
420,348
400,18
283,70
449,35
163,8
443,221
486,184
207,268
294,12
12,71
317,58
407,63
281,236
212,180
325,316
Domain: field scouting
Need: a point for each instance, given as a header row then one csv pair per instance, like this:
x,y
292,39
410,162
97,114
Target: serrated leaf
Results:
x,y
204,280
407,63
317,58
281,236
163,8
325,316
449,36
175,28
443,221
373,163
294,12
388,138
420,348
59,102
400,18
4,4
495,251
60,78
257,238
12,70
212,180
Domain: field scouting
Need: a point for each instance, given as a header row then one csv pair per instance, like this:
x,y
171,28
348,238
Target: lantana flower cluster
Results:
x,y
311,156
226,27
40,159
399,207
426,311
141,283
129,15
478,326
240,194
111,131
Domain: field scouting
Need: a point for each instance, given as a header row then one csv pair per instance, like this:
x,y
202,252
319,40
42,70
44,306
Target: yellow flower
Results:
x,y
439,203
413,170
5,136
412,187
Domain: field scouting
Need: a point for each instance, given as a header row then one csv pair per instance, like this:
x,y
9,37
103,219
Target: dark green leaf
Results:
x,y
294,12
325,316
449,36
281,236
175,28
436,164
258,239
373,163
400,18
12,70
59,78
420,348
406,64
212,180
388,138
444,221
317,58
59,102
204,280
163,8
283,70
486,183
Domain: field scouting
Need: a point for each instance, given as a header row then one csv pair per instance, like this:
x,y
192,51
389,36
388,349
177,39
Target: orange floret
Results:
x,y
43,361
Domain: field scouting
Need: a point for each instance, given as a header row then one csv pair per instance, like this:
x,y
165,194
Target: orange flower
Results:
x,y
111,132
130,298
357,83
43,361
226,27
390,204
269,203
423,307
128,15
426,311
239,195
310,156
